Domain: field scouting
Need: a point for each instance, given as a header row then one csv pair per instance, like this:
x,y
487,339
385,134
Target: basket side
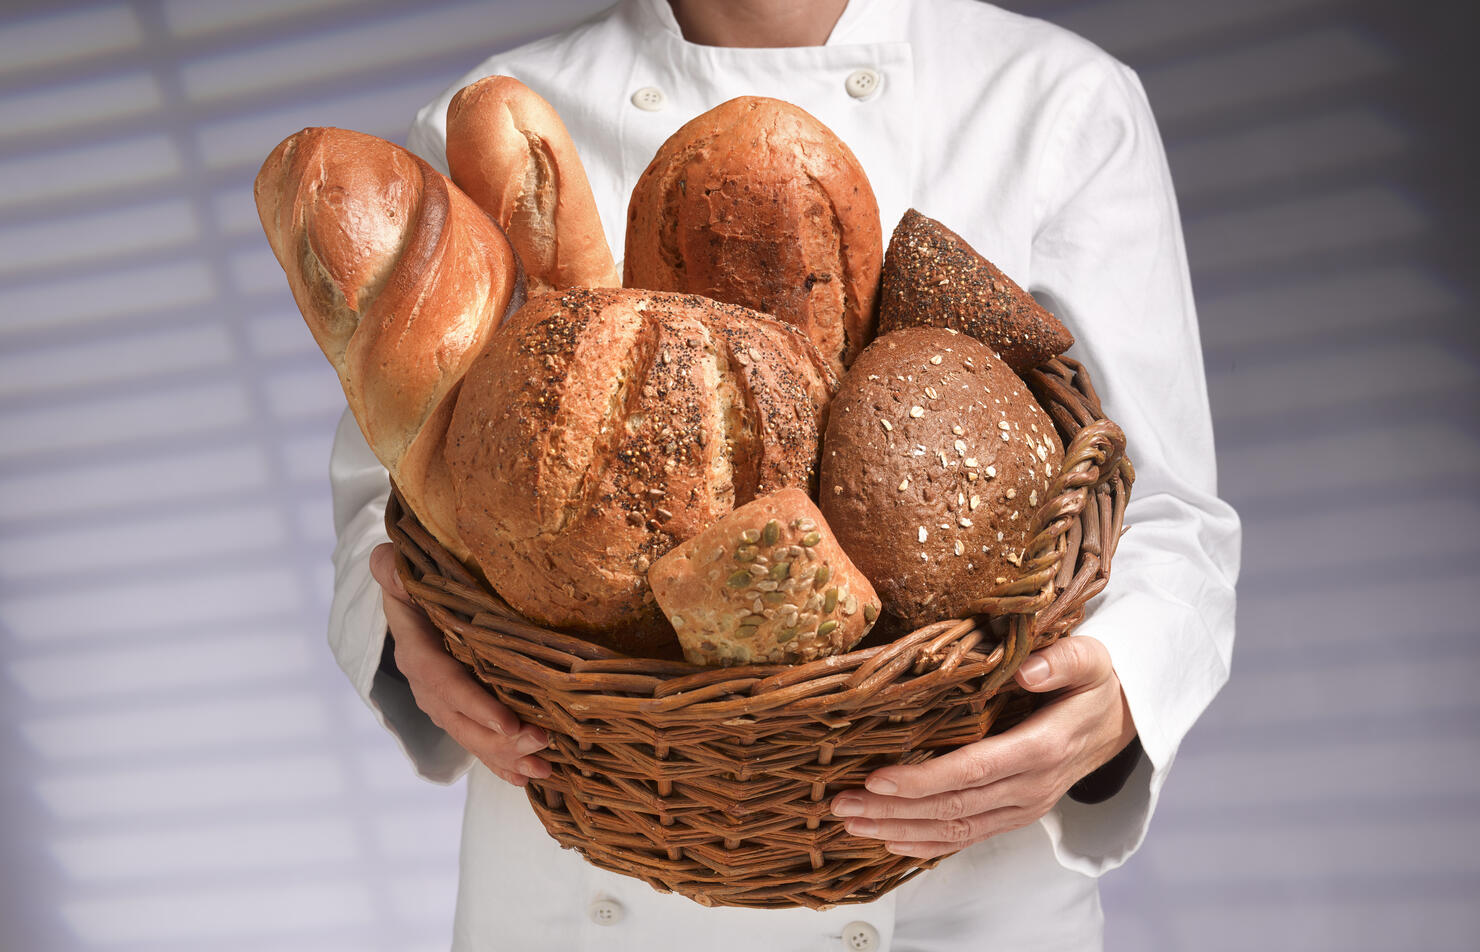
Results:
x,y
714,782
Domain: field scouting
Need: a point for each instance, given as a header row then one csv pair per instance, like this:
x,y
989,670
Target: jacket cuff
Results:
x,y
1169,669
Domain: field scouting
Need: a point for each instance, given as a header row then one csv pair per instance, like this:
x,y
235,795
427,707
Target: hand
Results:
x,y
1008,780
448,693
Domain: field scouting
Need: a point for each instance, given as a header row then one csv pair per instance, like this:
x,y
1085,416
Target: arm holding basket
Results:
x,y
438,712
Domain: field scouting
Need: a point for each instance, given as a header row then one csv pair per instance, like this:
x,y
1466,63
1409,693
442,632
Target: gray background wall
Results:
x,y
184,767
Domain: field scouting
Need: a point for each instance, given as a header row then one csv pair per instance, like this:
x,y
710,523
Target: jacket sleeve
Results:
x,y
357,627
1109,259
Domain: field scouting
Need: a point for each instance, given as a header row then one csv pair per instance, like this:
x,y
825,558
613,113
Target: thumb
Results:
x,y
383,570
1067,663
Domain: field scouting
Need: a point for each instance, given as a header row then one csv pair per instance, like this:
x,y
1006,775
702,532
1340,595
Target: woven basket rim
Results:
x,y
1093,457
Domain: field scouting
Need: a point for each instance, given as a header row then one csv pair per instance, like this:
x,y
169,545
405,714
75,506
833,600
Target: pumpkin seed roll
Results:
x,y
768,583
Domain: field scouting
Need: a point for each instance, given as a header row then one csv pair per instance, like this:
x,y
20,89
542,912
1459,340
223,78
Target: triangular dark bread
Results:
x,y
933,278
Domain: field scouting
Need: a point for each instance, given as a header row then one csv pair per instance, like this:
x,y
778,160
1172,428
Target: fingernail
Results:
x,y
862,827
847,806
529,743
1035,669
498,728
881,785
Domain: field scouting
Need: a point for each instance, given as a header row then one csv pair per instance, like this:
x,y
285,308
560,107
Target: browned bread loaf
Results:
x,y
936,458
755,202
933,278
601,427
401,279
767,583
508,149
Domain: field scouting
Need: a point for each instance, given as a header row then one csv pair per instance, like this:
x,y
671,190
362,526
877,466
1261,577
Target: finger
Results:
x,y
926,839
1074,662
442,684
430,669
408,622
922,850
1020,792
466,695
536,768
965,830
503,755
975,765
383,570
950,805
927,849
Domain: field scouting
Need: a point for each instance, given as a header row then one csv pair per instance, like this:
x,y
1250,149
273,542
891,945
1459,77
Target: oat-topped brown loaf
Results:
x,y
758,203
767,583
936,458
933,278
601,427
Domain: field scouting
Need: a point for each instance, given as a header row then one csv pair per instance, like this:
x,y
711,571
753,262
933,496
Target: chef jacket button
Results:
x,y
649,99
860,937
609,912
863,83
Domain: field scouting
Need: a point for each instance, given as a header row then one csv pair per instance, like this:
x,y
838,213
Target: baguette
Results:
x,y
508,149
401,279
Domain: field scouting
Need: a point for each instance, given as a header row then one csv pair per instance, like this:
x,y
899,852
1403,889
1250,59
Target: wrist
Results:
x,y
1107,780
388,659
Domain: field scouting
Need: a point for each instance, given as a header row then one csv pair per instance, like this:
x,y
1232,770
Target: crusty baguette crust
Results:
x,y
508,149
933,278
401,279
601,427
757,203
937,456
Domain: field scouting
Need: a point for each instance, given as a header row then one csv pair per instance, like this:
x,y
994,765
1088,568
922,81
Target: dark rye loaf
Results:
x,y
936,457
933,278
601,427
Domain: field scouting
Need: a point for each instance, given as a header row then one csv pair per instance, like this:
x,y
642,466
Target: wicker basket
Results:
x,y
715,782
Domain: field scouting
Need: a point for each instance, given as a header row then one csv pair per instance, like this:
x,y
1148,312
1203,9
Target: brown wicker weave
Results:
x,y
715,782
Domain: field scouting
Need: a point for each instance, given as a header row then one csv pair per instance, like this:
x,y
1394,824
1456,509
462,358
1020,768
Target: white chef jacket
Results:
x,y
1041,151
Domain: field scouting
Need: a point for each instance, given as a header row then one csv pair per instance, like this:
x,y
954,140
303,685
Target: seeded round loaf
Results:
x,y
936,457
933,278
601,427
767,583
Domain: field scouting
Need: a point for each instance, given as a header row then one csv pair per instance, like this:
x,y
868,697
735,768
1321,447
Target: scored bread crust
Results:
x,y
509,150
401,279
601,427
758,203
937,457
